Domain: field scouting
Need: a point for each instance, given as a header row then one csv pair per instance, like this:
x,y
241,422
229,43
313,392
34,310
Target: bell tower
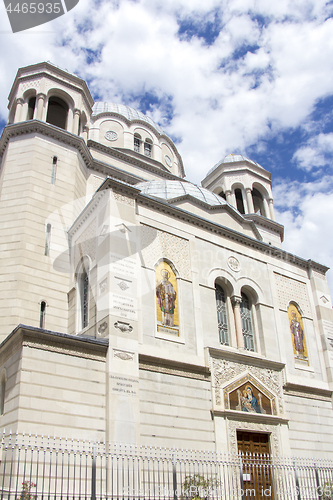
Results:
x,y
42,180
247,186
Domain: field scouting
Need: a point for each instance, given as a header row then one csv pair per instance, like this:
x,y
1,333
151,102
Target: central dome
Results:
x,y
170,190
127,112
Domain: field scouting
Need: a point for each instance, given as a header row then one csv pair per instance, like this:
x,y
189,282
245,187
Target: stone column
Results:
x,y
85,133
76,121
249,200
236,301
231,198
40,106
266,208
18,111
271,208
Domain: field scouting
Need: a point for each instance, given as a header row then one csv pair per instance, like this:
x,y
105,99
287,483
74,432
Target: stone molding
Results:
x,y
308,392
169,367
36,338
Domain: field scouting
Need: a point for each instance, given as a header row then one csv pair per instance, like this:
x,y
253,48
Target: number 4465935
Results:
x,y
35,8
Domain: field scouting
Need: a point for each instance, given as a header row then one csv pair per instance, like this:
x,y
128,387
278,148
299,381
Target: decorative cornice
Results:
x,y
196,220
37,338
39,127
307,392
48,70
269,224
161,365
146,164
242,416
246,357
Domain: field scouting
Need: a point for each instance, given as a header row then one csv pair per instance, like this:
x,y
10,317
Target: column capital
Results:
x,y
248,190
236,299
76,111
19,100
41,95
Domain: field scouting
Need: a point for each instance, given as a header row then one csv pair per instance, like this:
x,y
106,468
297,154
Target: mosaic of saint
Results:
x,y
249,399
297,333
166,299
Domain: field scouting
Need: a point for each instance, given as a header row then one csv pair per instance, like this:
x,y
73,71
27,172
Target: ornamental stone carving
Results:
x,y
123,355
224,371
289,289
110,135
234,425
158,244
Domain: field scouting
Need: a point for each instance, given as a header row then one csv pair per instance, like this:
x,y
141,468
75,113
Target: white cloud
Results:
x,y
220,105
316,153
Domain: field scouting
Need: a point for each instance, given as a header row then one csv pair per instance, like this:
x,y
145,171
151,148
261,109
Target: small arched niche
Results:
x,y
57,112
258,202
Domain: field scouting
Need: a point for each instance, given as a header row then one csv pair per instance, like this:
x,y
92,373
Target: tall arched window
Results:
x,y
239,201
31,108
137,143
258,202
148,146
57,112
84,296
247,328
42,314
222,318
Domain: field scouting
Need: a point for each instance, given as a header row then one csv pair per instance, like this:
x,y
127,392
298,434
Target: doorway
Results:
x,y
257,473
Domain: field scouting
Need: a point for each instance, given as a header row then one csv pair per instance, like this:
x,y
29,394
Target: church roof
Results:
x,y
169,190
126,111
233,158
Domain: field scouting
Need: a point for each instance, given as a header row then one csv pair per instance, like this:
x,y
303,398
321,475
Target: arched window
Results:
x,y
222,318
239,201
258,202
148,146
57,112
31,108
247,328
2,393
137,143
83,297
54,169
42,314
223,195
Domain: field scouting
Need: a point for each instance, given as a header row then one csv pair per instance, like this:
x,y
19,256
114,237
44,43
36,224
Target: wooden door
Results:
x,y
257,477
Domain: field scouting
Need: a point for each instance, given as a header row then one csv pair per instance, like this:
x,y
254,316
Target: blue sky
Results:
x,y
221,76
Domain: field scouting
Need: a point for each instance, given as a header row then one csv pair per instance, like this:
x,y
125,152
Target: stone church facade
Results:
x,y
139,308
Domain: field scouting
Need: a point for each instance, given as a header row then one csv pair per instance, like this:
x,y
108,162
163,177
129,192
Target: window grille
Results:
x,y
147,149
222,318
85,299
137,144
247,329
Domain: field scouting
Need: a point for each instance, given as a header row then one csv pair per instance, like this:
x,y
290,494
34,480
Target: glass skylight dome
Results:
x,y
169,190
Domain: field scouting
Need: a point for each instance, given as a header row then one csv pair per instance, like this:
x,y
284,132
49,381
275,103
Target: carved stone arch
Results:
x,y
251,288
56,92
296,304
222,277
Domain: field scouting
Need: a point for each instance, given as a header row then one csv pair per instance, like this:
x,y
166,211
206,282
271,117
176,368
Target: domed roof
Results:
x,y
126,111
233,158
169,190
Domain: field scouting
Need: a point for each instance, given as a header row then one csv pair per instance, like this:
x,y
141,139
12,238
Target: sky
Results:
x,y
220,76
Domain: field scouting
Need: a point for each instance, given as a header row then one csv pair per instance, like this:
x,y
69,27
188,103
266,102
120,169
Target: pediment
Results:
x,y
247,394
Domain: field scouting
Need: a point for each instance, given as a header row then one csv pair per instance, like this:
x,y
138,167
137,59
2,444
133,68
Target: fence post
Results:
x,y
93,475
319,488
241,477
174,476
297,483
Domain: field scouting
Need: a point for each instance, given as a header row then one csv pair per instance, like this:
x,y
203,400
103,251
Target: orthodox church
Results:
x,y
137,307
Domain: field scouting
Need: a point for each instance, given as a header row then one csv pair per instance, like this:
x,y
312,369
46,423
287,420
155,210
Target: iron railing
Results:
x,y
40,468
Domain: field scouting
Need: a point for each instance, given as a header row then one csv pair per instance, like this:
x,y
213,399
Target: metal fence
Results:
x,y
37,468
